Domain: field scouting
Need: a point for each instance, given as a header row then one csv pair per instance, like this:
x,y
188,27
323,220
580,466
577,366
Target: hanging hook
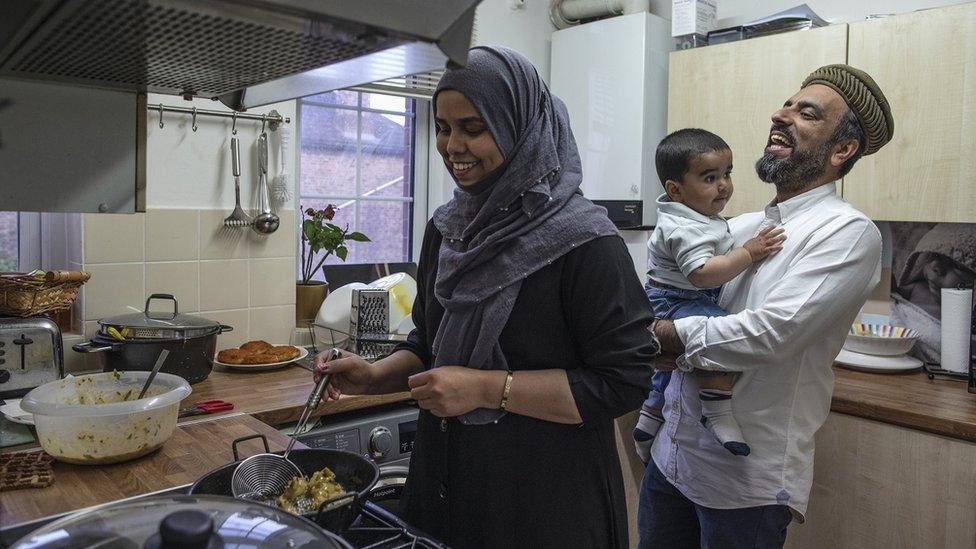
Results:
x,y
233,127
160,116
194,120
264,120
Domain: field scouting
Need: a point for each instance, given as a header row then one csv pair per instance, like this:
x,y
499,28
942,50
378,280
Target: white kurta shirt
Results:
x,y
788,319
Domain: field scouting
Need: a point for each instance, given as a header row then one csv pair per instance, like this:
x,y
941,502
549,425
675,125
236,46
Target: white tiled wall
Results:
x,y
233,276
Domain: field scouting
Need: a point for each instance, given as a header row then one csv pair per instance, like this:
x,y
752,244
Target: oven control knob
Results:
x,y
380,442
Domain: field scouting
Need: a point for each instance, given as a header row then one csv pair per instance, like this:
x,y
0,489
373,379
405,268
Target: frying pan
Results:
x,y
354,472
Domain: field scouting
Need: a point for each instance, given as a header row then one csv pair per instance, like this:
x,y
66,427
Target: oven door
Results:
x,y
387,491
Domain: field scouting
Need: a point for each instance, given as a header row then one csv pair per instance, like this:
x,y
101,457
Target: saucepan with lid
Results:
x,y
133,341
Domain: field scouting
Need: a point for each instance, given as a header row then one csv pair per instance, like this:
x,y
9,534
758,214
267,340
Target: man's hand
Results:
x,y
767,242
671,344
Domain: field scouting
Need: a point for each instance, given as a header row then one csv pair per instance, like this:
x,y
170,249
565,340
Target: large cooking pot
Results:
x,y
182,522
134,341
353,472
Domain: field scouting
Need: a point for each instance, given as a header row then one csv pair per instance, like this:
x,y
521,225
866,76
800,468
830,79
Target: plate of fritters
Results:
x,y
259,355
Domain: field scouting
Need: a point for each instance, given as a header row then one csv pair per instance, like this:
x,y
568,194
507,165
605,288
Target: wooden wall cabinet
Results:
x,y
925,62
734,89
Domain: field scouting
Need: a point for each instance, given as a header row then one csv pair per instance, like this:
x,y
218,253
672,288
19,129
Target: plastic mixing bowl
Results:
x,y
93,419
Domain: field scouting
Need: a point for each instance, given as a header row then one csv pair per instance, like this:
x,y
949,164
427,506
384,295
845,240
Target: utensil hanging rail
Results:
x,y
273,119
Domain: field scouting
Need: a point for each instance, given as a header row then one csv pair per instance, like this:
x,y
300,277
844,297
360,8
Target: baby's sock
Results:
x,y
718,419
648,423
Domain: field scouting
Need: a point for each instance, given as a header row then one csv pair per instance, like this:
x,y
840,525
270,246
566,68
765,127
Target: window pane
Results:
x,y
328,157
338,97
388,225
346,215
8,241
387,155
384,102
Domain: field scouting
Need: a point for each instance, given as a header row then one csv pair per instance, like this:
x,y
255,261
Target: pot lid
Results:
x,y
184,522
160,320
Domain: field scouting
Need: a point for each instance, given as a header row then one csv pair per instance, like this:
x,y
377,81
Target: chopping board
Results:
x,y
194,449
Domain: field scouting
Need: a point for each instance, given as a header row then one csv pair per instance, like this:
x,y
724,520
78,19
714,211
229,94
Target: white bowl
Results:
x,y
403,292
86,419
880,339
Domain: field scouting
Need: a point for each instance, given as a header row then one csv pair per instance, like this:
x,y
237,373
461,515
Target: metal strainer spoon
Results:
x,y
264,476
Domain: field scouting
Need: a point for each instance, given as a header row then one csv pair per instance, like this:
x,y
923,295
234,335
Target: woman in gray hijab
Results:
x,y
531,329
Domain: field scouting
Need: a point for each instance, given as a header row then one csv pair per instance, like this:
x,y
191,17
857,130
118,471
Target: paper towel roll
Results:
x,y
957,311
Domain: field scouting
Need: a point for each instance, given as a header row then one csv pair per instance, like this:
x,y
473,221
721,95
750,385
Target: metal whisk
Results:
x,y
264,476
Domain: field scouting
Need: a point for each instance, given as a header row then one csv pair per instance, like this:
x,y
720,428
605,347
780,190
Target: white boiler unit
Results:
x,y
613,76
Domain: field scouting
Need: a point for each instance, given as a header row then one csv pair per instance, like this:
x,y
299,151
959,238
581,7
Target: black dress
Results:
x,y
524,482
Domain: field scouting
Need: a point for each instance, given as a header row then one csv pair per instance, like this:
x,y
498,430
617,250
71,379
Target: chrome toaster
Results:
x,y
30,354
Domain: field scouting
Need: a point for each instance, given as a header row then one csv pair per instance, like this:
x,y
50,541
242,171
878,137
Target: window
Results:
x,y
31,240
358,152
20,241
9,244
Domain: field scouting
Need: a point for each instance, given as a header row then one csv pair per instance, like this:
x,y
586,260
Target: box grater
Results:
x,y
369,323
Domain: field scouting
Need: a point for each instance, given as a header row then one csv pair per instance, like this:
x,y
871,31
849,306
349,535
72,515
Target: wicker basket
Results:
x,y
39,292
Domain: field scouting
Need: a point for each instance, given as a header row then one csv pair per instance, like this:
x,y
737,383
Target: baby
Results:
x,y
691,256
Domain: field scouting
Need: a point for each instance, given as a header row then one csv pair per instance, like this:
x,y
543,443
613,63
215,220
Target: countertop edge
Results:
x,y
942,407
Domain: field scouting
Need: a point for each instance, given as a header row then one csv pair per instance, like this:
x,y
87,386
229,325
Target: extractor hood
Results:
x,y
245,53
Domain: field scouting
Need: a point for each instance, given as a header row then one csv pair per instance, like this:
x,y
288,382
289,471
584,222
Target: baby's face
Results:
x,y
941,273
707,186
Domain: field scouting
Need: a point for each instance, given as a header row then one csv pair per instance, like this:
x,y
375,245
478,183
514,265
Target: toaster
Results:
x,y
30,354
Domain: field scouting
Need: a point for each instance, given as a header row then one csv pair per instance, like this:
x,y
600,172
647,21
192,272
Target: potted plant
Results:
x,y
319,234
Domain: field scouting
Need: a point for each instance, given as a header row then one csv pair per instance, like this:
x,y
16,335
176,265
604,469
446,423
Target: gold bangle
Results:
x,y
508,389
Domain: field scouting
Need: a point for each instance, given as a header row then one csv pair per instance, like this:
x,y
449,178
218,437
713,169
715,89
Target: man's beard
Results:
x,y
797,170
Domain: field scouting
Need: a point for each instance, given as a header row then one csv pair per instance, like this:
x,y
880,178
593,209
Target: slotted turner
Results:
x,y
263,476
237,218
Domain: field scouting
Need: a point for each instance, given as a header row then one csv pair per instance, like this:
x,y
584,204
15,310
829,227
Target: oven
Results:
x,y
384,434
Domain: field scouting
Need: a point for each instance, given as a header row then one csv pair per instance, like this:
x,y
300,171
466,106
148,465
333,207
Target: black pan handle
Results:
x,y
89,347
225,328
352,496
238,440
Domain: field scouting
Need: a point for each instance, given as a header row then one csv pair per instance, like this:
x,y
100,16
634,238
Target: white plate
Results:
x,y
302,353
877,364
12,411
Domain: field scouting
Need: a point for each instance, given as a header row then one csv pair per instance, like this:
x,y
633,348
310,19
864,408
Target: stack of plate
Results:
x,y
332,322
879,348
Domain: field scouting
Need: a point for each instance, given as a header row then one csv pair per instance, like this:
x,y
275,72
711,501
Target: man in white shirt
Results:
x,y
788,317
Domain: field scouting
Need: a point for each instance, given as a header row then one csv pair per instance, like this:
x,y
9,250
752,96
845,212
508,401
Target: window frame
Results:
x,y
420,160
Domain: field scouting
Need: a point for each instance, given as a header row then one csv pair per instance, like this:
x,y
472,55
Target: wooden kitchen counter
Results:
x,y
196,448
940,406
277,396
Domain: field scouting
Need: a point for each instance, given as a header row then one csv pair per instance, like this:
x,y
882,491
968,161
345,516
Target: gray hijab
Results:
x,y
532,214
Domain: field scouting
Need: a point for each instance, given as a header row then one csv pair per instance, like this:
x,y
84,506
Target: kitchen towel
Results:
x,y
957,310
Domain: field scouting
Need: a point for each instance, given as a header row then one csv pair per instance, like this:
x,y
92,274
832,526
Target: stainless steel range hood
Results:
x,y
245,53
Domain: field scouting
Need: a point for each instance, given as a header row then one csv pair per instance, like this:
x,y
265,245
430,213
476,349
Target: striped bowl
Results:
x,y
880,339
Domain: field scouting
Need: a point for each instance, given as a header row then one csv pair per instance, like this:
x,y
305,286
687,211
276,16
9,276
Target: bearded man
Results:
x,y
788,317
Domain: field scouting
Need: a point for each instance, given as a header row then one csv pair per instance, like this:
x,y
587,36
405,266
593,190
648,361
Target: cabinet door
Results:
x,y
926,66
734,89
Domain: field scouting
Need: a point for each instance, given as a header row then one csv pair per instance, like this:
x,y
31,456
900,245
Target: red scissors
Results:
x,y
206,407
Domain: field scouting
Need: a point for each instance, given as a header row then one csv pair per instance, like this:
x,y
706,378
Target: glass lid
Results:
x,y
155,320
185,522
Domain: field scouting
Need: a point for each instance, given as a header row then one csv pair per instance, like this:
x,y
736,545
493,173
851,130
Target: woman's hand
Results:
x,y
449,391
351,374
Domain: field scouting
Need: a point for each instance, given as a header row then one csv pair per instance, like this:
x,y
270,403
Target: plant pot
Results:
x,y
308,300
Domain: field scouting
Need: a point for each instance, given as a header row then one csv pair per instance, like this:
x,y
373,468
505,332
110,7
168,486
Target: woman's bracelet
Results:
x,y
508,389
